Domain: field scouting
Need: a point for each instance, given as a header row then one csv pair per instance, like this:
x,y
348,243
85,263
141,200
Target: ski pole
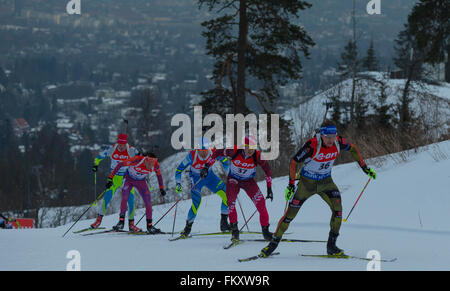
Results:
x,y
243,214
248,221
174,218
345,219
95,185
168,210
193,186
163,214
98,198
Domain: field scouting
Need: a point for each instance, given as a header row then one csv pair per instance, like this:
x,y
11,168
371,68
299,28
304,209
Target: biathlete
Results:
x,y
241,175
195,160
137,169
317,156
118,152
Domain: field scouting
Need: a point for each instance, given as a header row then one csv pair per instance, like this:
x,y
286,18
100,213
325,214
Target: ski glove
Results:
x,y
109,183
163,192
94,168
371,173
178,188
289,192
204,172
269,194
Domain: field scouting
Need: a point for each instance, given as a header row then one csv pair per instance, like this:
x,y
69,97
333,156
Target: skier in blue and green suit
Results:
x,y
118,152
196,159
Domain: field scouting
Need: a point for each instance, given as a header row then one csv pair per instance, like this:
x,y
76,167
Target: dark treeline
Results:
x,y
43,172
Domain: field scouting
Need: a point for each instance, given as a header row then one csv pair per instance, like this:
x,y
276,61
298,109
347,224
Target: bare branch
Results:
x,y
258,98
231,3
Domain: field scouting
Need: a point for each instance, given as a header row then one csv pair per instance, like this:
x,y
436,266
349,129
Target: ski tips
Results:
x,y
345,220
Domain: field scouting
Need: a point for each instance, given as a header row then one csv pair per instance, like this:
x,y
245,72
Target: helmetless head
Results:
x,y
250,145
328,133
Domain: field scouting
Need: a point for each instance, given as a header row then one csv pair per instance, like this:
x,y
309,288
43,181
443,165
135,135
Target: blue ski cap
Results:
x,y
328,130
203,144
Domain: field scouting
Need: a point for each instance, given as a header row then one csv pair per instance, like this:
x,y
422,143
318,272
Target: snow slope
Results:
x,y
404,213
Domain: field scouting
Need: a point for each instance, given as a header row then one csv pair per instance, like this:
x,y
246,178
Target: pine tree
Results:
x,y
407,56
410,60
350,64
3,77
336,107
370,62
253,42
382,116
361,109
429,23
349,68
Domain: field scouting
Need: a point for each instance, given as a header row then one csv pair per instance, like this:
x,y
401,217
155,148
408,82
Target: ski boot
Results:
x,y
224,226
120,224
97,222
132,227
187,229
266,233
151,229
268,250
234,232
332,249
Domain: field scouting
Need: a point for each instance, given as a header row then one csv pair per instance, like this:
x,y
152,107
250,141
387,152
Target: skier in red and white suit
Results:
x,y
243,164
138,167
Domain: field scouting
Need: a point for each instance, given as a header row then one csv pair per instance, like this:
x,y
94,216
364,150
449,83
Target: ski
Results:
x,y
232,244
88,229
105,231
227,232
257,257
146,233
212,233
180,237
289,240
344,256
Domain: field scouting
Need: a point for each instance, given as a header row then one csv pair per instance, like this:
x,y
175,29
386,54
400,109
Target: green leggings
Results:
x,y
306,188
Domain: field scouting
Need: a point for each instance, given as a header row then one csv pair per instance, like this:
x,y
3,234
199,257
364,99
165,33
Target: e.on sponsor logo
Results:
x,y
327,156
120,157
238,163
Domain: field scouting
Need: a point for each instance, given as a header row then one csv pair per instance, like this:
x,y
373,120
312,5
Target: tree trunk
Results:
x,y
239,99
352,98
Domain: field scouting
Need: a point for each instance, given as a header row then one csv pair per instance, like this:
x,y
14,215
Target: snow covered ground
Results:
x,y
403,214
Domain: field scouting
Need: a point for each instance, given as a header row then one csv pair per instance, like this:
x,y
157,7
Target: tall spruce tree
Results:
x,y
256,46
429,23
349,68
409,59
370,62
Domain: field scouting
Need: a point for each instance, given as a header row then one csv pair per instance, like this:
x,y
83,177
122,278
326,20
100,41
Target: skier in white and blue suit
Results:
x,y
196,159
